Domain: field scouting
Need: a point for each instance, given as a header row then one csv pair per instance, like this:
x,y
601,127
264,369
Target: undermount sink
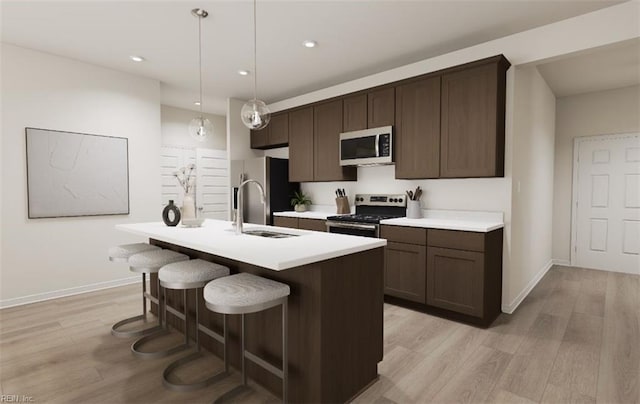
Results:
x,y
269,234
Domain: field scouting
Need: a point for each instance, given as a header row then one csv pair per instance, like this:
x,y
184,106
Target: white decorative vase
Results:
x,y
413,210
188,210
300,208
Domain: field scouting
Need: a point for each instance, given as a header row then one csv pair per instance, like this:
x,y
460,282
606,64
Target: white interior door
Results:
x,y
606,225
171,160
212,183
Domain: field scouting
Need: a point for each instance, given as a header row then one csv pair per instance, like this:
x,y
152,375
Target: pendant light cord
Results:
x,y
255,64
200,58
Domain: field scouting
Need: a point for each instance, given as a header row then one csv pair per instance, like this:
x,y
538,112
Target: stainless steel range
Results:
x,y
370,209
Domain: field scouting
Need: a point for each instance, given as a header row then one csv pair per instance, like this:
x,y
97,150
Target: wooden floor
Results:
x,y
575,338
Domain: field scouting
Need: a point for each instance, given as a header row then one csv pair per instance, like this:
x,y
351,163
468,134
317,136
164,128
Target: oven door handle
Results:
x,y
377,145
352,225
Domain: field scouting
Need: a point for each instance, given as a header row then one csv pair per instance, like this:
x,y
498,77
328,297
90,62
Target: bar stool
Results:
x,y
121,253
148,262
244,293
194,274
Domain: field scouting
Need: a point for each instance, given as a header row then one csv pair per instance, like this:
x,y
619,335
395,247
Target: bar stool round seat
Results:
x,y
148,261
245,293
193,274
184,275
121,253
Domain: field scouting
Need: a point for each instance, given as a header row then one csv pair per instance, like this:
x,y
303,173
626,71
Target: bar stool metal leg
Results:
x,y
166,374
283,373
117,332
285,359
163,329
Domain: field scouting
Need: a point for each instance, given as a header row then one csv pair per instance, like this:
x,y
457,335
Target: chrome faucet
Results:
x,y
239,215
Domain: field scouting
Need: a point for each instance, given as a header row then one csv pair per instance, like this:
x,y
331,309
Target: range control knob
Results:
x,y
400,200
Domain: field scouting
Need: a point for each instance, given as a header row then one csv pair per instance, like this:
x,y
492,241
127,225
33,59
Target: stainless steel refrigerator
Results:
x,y
273,174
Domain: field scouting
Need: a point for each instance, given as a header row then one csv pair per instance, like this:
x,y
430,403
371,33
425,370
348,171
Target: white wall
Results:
x,y
238,135
175,129
43,258
598,113
532,185
486,194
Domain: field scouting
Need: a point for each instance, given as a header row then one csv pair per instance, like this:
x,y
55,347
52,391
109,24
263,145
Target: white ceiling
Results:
x,y
356,38
598,69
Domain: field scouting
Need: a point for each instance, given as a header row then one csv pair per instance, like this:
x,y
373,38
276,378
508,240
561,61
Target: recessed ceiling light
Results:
x,y
243,72
310,44
196,103
136,58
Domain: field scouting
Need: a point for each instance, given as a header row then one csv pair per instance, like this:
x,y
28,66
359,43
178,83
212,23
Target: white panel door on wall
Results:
x,y
212,183
606,220
171,160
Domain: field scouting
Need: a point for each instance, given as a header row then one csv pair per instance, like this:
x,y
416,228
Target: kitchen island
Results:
x,y
335,307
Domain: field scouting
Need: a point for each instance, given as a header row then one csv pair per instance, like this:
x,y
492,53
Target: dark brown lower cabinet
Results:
x,y
405,271
464,274
312,224
300,223
454,280
405,263
285,221
455,274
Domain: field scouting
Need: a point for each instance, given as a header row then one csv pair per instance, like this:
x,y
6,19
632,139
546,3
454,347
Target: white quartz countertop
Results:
x,y
305,215
482,222
217,237
446,224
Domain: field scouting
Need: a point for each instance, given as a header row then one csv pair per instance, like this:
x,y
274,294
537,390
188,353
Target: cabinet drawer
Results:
x,y
312,224
283,221
459,240
401,234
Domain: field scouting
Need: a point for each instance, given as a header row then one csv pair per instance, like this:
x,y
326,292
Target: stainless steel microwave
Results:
x,y
367,147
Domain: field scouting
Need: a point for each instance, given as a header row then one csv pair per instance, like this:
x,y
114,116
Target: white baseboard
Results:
x,y
511,307
564,263
39,297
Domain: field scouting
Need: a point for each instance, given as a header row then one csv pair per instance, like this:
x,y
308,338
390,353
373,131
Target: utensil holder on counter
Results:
x,y
342,205
414,211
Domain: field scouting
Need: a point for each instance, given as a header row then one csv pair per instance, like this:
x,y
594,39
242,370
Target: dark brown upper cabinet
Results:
x,y
327,126
447,124
276,134
417,130
260,138
354,109
371,110
381,107
301,150
473,120
279,132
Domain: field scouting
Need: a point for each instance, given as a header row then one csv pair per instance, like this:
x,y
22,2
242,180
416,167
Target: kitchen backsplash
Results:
x,y
483,194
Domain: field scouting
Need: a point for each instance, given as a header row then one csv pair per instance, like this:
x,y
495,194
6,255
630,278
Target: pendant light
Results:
x,y
200,127
255,114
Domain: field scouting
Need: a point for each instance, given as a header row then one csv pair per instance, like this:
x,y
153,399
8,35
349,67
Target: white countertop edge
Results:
x,y
327,256
305,215
261,262
443,224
